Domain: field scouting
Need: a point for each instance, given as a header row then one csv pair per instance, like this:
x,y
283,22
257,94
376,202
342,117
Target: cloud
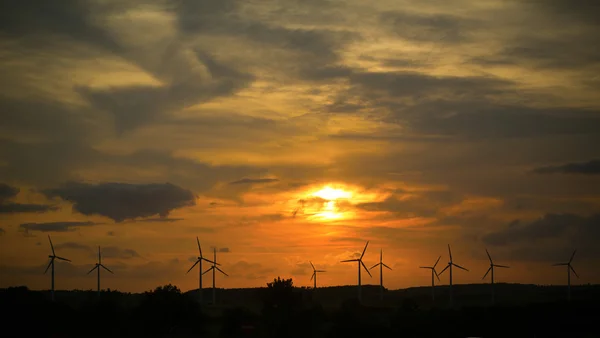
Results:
x,y
116,252
2,231
586,168
111,233
8,192
243,269
166,219
54,226
74,246
224,250
122,201
550,234
254,181
430,27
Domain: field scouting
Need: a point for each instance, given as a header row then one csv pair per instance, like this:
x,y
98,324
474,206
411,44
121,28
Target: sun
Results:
x,y
329,210
330,194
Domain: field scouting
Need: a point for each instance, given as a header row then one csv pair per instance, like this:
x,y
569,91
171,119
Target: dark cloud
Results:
x,y
116,252
122,201
74,246
585,168
133,107
54,226
111,233
166,219
69,18
243,269
413,204
224,250
2,231
430,27
8,192
254,180
576,229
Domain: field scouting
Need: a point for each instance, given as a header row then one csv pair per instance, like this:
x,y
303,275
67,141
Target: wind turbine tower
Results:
x,y
491,269
198,262
360,263
213,268
98,266
381,264
569,269
433,274
450,265
52,258
314,275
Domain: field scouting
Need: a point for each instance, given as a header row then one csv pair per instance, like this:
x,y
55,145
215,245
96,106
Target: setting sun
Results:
x,y
331,194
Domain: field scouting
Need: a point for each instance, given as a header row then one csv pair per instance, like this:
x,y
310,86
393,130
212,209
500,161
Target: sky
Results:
x,y
283,132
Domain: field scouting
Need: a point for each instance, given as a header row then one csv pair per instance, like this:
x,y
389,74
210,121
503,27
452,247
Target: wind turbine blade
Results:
x,y
364,250
311,264
449,252
441,272
199,248
486,273
321,271
460,267
99,257
107,269
51,246
572,256
436,262
374,266
380,255
488,254
501,266
386,266
436,274
48,267
63,259
425,267
364,266
312,276
223,272
94,268
560,264
350,260
573,271
207,270
193,266
208,260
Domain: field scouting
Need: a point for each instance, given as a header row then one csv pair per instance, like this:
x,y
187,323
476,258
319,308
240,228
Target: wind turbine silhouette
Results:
x,y
199,263
381,264
491,269
450,265
314,275
213,268
360,263
98,266
569,269
433,274
52,258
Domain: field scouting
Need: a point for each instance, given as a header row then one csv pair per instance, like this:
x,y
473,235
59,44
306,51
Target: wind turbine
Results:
x,y
491,269
52,258
314,275
98,266
213,268
360,263
381,264
433,274
199,263
569,269
450,264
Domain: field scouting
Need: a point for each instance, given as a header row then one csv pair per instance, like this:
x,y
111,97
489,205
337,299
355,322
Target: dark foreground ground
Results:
x,y
281,310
